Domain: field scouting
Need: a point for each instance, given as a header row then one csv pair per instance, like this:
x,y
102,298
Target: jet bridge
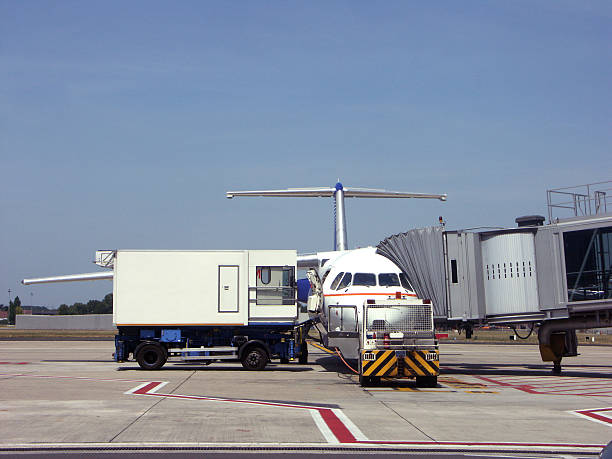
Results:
x,y
554,276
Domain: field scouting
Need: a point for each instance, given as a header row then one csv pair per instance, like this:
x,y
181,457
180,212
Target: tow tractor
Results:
x,y
397,340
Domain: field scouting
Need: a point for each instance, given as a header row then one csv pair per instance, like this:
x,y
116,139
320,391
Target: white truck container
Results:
x,y
205,306
204,288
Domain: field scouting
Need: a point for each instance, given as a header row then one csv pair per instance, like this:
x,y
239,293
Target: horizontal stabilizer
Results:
x,y
291,192
69,278
373,193
328,192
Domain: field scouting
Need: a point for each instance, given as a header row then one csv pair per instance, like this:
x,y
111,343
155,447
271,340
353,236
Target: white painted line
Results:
x,y
323,427
357,433
131,391
592,419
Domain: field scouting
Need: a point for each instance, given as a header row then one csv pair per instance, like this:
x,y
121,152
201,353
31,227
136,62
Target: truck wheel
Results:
x,y
254,358
427,381
303,358
151,356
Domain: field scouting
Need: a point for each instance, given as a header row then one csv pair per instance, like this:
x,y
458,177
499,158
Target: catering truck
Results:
x,y
205,306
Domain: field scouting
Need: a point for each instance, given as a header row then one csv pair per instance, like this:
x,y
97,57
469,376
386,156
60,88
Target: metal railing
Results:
x,y
579,200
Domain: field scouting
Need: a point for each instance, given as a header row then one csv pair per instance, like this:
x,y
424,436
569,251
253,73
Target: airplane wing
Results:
x,y
69,278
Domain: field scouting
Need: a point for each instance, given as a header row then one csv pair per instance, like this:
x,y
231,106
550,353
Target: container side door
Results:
x,y
228,288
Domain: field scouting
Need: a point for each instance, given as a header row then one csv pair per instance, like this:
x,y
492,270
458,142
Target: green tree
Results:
x,y
92,307
14,309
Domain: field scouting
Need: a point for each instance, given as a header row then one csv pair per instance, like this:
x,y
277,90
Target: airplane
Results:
x,y
341,280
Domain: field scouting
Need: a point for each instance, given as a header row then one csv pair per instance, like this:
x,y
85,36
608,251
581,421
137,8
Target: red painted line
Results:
x,y
595,410
145,389
499,383
586,384
14,363
337,427
583,391
142,391
592,414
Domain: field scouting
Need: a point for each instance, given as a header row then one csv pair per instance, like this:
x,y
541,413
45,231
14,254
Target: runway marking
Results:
x,y
596,415
328,420
14,363
554,385
335,426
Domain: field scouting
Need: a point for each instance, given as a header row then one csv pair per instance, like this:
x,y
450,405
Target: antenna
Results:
x,y
338,192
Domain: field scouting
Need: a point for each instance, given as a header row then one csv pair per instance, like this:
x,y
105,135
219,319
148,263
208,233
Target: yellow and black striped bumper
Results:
x,y
394,364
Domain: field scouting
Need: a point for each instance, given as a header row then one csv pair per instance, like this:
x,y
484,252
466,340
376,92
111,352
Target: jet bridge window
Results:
x,y
367,279
388,280
275,285
588,264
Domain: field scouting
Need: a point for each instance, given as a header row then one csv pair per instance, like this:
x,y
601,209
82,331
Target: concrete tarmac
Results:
x,y
66,395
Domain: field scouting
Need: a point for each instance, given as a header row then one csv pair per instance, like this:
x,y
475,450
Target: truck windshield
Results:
x,y
388,280
367,279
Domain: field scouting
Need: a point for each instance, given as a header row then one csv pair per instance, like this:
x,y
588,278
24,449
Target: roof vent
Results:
x,y
530,220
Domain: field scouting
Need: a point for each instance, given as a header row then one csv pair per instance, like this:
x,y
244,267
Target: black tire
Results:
x,y
284,360
254,358
151,356
427,381
303,358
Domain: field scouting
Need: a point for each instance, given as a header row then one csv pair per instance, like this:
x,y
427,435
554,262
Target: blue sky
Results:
x,y
122,124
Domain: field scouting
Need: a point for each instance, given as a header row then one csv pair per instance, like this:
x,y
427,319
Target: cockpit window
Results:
x,y
336,281
388,280
404,281
367,279
346,281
